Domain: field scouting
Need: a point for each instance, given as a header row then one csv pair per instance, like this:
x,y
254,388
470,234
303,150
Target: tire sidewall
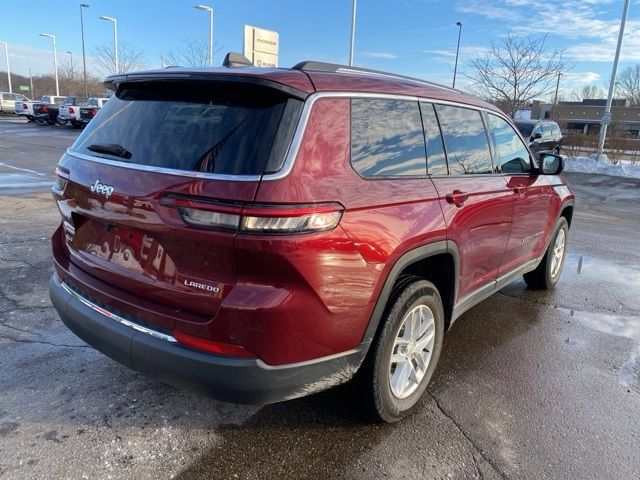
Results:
x,y
389,407
561,225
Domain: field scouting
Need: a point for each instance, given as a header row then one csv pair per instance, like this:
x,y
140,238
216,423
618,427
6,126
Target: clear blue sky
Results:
x,y
415,37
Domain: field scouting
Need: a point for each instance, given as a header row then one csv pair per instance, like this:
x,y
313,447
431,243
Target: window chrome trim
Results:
x,y
169,171
118,318
294,146
292,152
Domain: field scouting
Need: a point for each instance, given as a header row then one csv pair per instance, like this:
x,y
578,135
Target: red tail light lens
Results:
x,y
62,177
94,111
71,110
211,346
24,105
44,109
266,219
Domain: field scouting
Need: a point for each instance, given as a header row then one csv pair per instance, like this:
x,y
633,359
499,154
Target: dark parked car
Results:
x,y
47,109
261,234
543,135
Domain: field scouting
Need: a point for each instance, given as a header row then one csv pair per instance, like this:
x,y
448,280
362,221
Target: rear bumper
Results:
x,y
248,381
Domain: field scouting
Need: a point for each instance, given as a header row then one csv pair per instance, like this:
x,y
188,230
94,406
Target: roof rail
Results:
x,y
313,66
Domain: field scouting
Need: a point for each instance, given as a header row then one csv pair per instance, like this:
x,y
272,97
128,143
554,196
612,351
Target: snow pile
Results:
x,y
603,167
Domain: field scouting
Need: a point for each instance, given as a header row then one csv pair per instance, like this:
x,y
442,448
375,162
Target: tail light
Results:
x,y
211,346
265,219
24,105
94,111
62,177
44,109
71,110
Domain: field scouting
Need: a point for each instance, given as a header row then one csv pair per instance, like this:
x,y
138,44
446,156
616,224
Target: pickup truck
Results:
x,y
90,109
69,111
46,110
8,101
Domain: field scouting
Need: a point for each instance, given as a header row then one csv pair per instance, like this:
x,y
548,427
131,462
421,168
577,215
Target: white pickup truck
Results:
x,y
9,100
25,108
90,109
69,111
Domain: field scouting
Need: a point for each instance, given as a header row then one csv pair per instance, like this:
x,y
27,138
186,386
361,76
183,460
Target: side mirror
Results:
x,y
536,136
551,164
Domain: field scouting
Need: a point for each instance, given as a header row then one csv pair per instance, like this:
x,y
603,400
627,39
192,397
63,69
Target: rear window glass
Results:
x,y
526,129
386,138
465,139
195,126
436,159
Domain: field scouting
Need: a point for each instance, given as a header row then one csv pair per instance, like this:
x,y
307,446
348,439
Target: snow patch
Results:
x,y
602,167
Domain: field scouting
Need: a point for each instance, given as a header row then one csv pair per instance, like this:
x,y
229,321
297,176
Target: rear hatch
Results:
x,y
155,144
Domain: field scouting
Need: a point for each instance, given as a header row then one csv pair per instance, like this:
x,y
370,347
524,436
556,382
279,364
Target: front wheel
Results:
x,y
547,273
406,351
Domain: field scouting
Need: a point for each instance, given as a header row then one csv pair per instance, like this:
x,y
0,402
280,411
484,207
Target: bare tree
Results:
x,y
514,70
588,92
628,84
130,58
193,53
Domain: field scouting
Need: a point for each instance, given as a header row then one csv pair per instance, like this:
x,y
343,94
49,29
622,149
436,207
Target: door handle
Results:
x,y
457,197
519,189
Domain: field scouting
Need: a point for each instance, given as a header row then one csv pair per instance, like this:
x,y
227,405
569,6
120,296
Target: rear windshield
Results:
x,y
525,129
196,126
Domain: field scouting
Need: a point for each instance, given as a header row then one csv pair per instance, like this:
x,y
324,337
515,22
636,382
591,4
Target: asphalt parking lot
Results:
x,y
529,385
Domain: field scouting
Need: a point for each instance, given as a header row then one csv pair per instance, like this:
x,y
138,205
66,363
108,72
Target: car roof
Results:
x,y
310,77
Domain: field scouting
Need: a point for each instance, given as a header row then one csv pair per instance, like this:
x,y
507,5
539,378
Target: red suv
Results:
x,y
262,234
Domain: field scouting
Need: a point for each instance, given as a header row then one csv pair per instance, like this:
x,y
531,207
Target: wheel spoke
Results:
x,y
424,342
400,378
422,366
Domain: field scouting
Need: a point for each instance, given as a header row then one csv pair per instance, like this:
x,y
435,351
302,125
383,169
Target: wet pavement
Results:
x,y
530,384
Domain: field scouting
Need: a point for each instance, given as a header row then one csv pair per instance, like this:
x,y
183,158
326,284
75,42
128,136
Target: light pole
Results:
x,y
115,40
606,116
70,59
206,8
84,57
55,58
555,97
455,67
353,31
6,56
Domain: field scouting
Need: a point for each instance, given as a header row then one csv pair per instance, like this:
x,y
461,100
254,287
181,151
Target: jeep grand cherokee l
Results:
x,y
262,234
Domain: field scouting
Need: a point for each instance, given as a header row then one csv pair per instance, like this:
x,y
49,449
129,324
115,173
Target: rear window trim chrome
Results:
x,y
168,171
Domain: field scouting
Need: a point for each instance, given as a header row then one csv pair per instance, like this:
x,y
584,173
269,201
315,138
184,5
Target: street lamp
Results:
x,y
606,116
115,39
455,68
206,8
84,57
55,58
6,56
70,59
353,32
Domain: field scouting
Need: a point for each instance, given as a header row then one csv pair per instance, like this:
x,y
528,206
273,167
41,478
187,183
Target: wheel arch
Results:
x,y
437,262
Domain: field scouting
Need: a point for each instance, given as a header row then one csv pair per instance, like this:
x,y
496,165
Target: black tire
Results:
x,y
75,124
375,374
542,278
556,150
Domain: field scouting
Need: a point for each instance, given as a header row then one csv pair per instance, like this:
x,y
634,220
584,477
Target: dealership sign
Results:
x,y
261,46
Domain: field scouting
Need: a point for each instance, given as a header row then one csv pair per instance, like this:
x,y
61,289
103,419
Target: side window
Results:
x,y
511,154
465,139
386,138
436,159
547,133
93,102
556,131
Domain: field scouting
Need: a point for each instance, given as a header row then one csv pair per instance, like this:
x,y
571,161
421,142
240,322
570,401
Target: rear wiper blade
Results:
x,y
110,149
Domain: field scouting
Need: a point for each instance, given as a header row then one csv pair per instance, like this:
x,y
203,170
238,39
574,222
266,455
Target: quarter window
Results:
x,y
511,154
386,138
436,159
465,139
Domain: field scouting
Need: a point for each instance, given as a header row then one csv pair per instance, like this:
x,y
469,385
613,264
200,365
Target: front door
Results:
x,y
532,198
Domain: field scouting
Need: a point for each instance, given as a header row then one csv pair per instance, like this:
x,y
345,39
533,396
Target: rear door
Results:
x,y
532,196
476,202
138,169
